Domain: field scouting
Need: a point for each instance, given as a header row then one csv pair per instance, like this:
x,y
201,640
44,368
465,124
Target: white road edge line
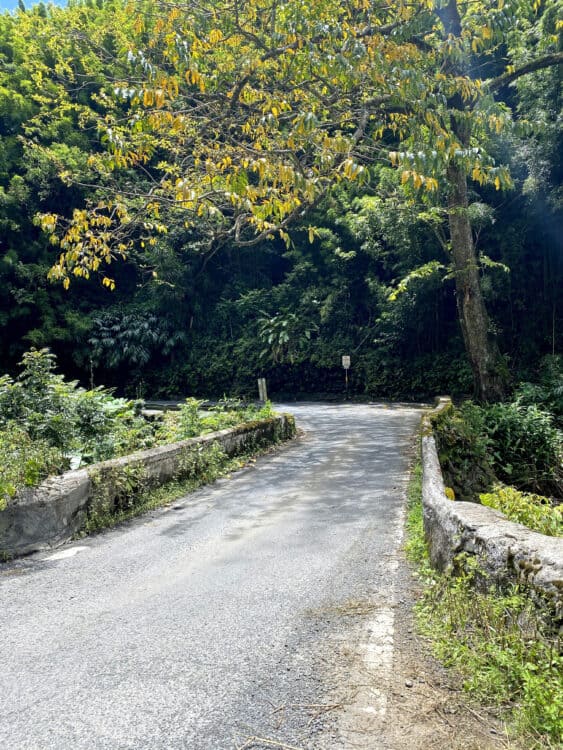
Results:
x,y
65,553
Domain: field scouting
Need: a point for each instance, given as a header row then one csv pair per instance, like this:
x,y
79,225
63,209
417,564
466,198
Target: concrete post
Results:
x,y
262,392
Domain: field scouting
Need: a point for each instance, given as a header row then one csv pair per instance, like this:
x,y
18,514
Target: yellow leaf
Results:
x,y
215,35
311,234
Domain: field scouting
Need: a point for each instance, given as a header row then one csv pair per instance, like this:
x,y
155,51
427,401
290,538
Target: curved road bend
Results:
x,y
230,615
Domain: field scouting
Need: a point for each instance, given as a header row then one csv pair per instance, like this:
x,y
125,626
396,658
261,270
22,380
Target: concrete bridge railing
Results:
x,y
506,551
52,513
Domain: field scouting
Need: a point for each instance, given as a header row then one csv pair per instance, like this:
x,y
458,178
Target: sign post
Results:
x,y
346,366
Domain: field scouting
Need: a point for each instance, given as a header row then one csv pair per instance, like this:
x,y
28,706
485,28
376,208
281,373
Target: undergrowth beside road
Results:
x,y
497,641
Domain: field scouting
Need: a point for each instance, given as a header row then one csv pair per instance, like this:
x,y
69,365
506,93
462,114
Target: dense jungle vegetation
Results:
x,y
110,113
197,194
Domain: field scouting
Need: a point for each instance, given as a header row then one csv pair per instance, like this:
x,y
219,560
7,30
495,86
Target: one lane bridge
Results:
x,y
226,616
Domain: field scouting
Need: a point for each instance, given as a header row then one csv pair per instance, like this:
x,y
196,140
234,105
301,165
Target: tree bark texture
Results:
x,y
488,369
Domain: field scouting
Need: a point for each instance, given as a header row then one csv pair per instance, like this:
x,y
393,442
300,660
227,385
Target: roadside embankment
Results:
x,y
506,551
59,508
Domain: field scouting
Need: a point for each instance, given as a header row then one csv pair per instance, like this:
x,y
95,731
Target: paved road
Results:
x,y
191,627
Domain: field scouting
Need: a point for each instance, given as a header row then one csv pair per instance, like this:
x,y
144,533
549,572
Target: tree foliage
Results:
x,y
244,114
171,136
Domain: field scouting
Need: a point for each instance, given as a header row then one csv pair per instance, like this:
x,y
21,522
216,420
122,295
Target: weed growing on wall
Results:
x,y
504,648
415,545
116,489
210,464
202,462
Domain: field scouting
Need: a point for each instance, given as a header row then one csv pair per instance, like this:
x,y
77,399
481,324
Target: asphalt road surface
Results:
x,y
223,617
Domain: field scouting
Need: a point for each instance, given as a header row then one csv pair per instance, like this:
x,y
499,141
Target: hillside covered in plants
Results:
x,y
193,198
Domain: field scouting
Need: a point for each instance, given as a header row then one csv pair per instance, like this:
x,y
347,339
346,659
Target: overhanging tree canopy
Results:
x,y
243,114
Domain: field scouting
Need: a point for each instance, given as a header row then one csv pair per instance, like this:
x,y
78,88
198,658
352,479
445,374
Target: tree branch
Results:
x,y
556,58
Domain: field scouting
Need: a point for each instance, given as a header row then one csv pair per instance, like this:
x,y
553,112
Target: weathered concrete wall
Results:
x,y
506,551
52,513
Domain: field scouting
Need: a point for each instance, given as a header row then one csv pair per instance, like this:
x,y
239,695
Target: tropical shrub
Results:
x,y
547,393
25,462
84,425
48,425
39,400
107,426
516,444
191,420
527,449
464,449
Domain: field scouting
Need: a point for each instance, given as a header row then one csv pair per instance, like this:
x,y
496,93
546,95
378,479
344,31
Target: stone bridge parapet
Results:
x,y
506,551
56,510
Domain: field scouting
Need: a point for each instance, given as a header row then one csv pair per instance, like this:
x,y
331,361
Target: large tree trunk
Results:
x,y
489,371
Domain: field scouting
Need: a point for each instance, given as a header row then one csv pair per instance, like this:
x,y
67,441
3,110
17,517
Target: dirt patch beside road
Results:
x,y
397,696
427,708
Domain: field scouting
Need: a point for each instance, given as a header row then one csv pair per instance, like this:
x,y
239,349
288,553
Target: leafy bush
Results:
x,y
527,449
464,449
107,427
191,420
48,425
39,400
181,424
547,394
25,462
85,426
514,443
534,511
